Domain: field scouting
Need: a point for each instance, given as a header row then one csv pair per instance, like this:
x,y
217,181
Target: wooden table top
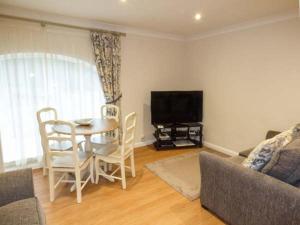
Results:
x,y
98,126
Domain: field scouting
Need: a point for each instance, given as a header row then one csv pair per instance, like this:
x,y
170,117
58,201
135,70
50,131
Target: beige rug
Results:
x,y
181,172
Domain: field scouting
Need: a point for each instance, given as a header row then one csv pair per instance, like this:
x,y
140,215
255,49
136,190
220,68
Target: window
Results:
x,y
31,81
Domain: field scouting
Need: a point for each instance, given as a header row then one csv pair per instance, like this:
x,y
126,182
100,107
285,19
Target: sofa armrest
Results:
x,y
241,196
245,153
272,133
16,185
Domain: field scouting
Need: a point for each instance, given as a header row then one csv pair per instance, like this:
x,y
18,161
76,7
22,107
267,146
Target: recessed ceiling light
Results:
x,y
198,16
123,0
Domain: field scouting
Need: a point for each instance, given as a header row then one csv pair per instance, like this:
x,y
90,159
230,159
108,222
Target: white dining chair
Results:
x,y
108,111
118,154
66,161
43,115
46,114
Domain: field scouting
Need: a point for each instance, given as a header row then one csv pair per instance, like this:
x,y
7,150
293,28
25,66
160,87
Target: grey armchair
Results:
x,y
18,204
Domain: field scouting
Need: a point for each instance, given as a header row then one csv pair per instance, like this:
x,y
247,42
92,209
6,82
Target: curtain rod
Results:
x,y
44,23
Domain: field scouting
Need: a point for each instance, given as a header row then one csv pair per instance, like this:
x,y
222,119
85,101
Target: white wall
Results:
x,y
251,82
148,64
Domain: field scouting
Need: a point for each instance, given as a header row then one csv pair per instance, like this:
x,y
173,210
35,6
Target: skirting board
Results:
x,y
220,149
144,143
206,144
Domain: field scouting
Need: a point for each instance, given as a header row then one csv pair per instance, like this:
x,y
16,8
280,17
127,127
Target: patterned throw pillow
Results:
x,y
263,153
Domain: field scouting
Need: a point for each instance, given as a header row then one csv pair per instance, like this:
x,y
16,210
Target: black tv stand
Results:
x,y
178,135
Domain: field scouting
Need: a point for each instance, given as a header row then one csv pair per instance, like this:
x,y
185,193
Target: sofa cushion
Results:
x,y
295,144
285,167
23,212
263,153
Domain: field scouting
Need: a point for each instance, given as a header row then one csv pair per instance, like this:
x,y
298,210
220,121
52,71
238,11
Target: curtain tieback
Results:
x,y
114,100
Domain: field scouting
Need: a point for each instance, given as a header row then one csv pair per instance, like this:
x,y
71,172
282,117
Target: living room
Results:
x,y
74,58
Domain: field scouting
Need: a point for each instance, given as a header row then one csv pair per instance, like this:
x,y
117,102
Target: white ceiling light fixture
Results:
x,y
198,16
123,0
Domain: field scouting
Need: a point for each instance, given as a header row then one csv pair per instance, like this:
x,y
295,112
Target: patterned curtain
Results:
x,y
107,50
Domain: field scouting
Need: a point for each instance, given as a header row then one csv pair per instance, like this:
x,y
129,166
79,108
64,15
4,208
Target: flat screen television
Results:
x,y
176,107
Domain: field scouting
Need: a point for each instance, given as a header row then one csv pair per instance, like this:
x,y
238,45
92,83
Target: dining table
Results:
x,y
97,126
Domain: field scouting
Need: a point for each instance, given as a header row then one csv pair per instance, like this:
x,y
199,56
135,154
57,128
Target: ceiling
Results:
x,y
169,16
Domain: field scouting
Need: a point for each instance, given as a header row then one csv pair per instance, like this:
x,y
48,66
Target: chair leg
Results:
x,y
51,185
80,147
110,167
45,172
105,167
92,169
132,164
78,184
123,176
97,170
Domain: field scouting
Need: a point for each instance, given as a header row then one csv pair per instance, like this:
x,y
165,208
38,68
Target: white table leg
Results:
x,y
88,147
88,144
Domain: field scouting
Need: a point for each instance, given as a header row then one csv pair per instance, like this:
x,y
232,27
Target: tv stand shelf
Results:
x,y
178,135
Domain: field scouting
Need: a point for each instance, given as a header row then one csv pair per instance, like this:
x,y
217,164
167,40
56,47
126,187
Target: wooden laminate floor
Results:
x,y
148,200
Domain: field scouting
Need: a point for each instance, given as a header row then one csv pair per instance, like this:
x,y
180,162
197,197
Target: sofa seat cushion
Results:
x,y
23,212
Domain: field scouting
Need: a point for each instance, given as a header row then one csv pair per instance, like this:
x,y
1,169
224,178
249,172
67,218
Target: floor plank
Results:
x,y
148,200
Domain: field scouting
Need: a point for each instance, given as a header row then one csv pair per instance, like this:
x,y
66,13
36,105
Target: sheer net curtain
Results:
x,y
42,67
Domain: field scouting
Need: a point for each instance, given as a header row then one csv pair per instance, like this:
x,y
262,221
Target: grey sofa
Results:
x,y
241,196
18,204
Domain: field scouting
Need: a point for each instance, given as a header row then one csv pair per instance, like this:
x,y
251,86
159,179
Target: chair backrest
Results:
x,y
45,114
128,134
110,111
56,139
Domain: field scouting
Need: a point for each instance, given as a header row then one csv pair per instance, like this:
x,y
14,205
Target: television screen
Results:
x,y
176,107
